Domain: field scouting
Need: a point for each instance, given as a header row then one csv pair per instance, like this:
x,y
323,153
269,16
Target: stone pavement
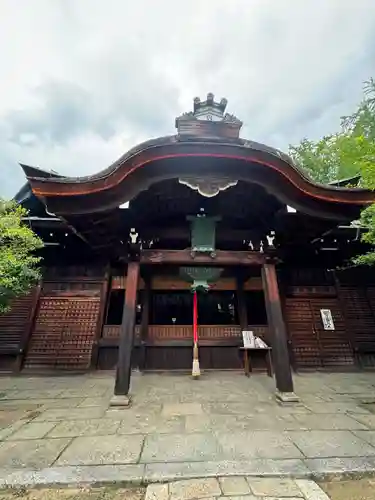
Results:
x,y
236,488
60,430
222,488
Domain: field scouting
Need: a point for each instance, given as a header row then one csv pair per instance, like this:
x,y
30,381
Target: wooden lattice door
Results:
x,y
78,333
302,335
46,337
312,345
335,348
359,303
64,333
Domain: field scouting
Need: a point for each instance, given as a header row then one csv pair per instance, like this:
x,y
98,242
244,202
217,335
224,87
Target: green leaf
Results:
x,y
19,270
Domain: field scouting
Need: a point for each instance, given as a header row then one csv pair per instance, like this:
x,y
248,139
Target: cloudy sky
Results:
x,y
81,81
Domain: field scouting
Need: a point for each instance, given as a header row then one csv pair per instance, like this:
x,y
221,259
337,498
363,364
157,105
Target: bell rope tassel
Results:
x,y
196,370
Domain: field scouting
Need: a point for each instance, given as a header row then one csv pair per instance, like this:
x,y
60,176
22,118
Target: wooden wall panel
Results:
x,y
14,330
180,358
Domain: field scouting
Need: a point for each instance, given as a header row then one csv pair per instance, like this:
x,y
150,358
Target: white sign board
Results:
x,y
248,339
327,319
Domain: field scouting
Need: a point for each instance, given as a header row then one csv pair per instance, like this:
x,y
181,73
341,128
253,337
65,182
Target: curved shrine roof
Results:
x,y
207,146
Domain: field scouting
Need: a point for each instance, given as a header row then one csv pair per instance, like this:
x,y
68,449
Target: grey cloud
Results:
x,y
109,78
64,110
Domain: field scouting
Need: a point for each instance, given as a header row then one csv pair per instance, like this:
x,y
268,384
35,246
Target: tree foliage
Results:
x,y
18,260
333,157
349,152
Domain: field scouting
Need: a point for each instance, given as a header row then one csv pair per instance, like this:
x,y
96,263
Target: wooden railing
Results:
x,y
113,331
164,333
209,332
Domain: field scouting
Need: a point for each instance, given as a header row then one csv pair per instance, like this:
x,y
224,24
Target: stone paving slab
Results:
x,y
217,423
324,444
181,448
77,428
327,422
101,450
11,429
194,488
32,430
259,444
32,454
367,436
234,485
70,414
152,425
367,420
272,487
181,409
337,407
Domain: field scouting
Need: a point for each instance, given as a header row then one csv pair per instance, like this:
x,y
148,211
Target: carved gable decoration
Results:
x,y
206,186
208,121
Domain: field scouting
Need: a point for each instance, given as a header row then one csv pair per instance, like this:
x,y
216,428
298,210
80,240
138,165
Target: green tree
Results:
x,y
331,158
349,152
362,121
18,259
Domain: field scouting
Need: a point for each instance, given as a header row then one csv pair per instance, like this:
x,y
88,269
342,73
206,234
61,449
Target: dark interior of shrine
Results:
x,y
175,307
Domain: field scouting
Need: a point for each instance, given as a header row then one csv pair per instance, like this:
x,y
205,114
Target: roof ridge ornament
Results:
x,y
207,120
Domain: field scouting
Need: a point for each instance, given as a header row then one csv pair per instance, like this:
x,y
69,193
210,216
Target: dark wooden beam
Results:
x,y
180,233
145,320
280,354
241,303
123,371
184,257
29,326
104,303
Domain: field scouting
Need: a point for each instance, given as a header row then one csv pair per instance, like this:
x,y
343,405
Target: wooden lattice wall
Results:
x,y
68,322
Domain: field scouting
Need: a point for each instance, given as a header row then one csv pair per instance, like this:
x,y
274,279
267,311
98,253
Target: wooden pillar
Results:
x,y
144,321
126,340
104,303
241,304
280,354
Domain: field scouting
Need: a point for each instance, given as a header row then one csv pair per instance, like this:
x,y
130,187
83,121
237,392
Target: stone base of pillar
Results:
x,y
286,397
120,401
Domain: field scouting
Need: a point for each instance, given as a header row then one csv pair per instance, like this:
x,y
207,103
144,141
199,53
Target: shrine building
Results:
x,y
203,209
